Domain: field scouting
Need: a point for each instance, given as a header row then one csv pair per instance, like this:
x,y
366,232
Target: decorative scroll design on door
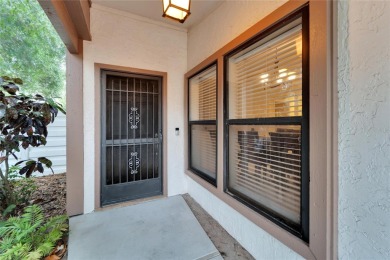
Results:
x,y
134,118
134,163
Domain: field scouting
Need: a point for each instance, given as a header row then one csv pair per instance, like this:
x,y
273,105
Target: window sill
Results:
x,y
274,230
204,177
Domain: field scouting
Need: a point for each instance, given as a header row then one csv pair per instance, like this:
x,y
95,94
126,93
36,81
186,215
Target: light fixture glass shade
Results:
x,y
178,10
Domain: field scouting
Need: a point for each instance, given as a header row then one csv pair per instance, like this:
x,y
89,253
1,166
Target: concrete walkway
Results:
x,y
160,229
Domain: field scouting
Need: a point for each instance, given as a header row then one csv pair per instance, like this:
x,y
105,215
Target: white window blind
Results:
x,y
202,120
265,165
265,82
203,148
202,99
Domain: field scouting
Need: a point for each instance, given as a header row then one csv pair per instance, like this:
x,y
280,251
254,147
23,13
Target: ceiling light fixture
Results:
x,y
177,10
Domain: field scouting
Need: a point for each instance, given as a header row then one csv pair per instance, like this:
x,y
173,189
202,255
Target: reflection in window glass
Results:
x,y
265,165
203,149
266,80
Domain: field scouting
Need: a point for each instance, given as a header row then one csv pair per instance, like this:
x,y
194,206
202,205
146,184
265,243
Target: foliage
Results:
x,y
29,236
23,123
8,211
23,188
30,48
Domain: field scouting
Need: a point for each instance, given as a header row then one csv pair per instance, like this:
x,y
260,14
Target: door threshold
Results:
x,y
129,203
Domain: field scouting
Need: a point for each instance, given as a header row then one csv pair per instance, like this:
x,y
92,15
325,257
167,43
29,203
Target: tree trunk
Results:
x,y
7,188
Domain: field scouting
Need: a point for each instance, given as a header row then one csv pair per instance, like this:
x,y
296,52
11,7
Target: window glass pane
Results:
x,y
202,95
203,149
265,79
265,166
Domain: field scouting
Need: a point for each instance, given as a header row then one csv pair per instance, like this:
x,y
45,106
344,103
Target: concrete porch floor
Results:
x,y
160,229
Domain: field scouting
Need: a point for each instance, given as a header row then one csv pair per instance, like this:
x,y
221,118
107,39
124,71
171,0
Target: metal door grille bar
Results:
x,y
138,101
155,135
127,129
140,127
147,131
112,136
131,137
128,91
133,141
120,129
133,128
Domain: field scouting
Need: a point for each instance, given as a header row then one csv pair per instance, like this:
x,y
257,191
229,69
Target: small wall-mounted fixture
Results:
x,y
177,10
177,132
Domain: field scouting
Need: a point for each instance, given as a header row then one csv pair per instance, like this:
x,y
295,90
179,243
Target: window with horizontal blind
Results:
x,y
267,124
202,101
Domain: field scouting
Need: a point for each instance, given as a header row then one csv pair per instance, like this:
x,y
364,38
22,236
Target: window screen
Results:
x,y
266,124
202,123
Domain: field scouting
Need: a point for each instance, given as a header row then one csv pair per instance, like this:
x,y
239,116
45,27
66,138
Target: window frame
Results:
x,y
190,123
302,230
323,209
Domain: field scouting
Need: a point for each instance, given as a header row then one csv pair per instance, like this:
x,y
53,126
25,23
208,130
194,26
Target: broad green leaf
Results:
x,y
45,161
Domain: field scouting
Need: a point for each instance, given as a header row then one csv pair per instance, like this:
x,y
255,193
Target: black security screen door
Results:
x,y
131,137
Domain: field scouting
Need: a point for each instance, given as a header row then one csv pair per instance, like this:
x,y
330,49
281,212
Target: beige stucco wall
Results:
x,y
123,39
223,25
364,129
364,100
227,22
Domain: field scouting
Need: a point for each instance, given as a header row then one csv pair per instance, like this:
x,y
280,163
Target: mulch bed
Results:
x,y
50,194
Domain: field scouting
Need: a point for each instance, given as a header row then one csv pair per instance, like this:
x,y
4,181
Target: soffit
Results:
x,y
152,9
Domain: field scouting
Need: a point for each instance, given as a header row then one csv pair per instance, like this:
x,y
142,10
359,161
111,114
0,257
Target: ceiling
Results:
x,y
152,9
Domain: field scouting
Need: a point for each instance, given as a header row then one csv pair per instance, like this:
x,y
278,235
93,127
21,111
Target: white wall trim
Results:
x,y
131,43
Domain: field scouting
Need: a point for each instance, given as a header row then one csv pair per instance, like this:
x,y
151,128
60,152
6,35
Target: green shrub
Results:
x,y
22,186
29,236
23,124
